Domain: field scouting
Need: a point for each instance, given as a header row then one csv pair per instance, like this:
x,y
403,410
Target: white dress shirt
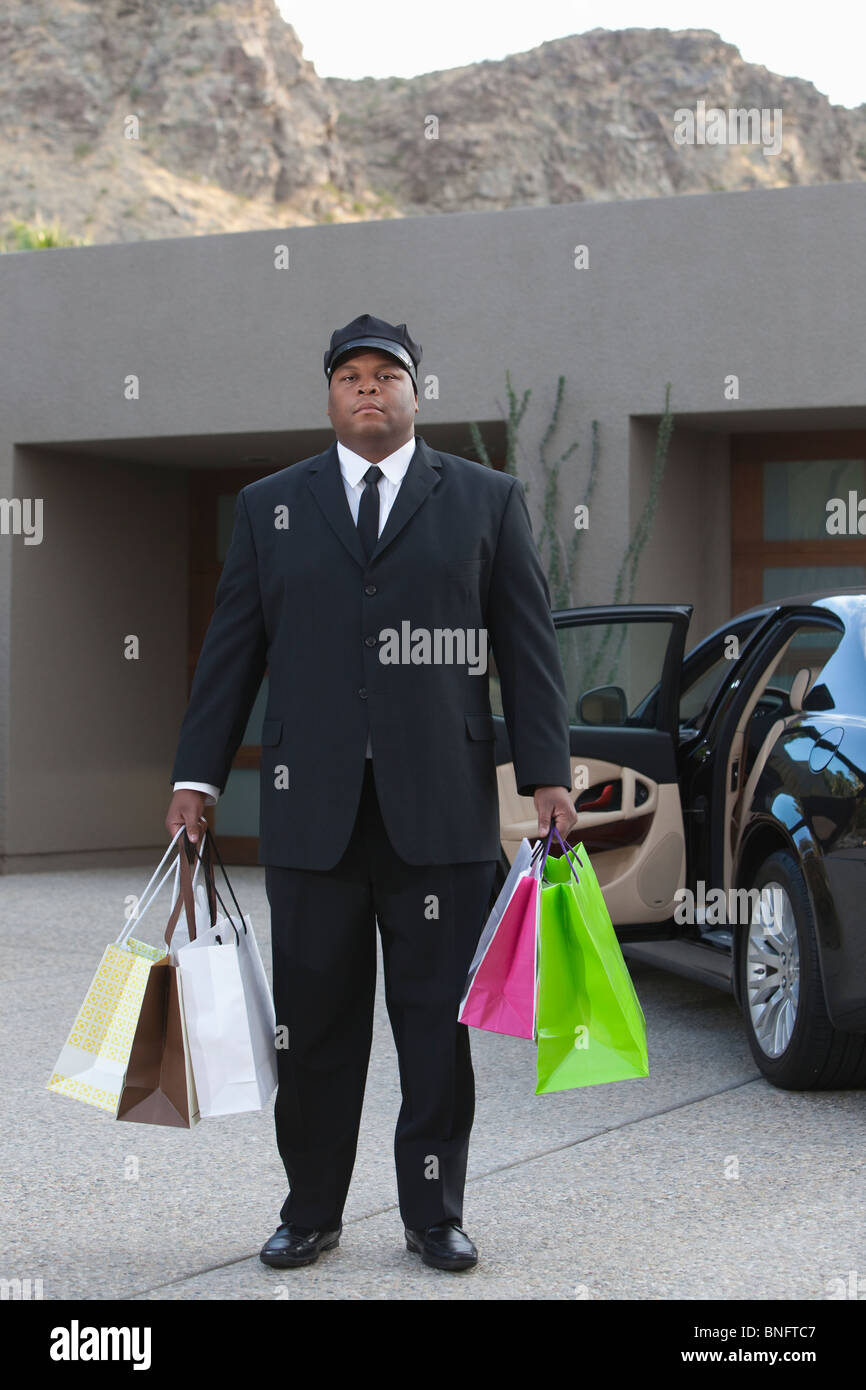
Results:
x,y
352,467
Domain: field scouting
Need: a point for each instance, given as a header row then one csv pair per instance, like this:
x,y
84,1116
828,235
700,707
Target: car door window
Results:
x,y
610,669
810,648
698,695
615,662
616,666
704,673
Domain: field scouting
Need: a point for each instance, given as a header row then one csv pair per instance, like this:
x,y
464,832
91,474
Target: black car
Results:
x,y
721,798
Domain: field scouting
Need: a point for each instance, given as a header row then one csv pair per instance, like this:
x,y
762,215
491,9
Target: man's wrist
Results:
x,y
211,792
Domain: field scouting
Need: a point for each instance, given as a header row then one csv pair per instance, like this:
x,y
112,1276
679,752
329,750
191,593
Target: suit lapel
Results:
x,y
421,475
326,483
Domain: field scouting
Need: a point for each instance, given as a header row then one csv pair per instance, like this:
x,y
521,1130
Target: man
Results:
x,y
367,580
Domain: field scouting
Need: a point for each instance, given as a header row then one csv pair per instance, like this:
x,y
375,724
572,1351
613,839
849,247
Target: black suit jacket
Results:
x,y
456,553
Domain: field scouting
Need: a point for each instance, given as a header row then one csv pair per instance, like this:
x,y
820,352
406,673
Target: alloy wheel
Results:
x,y
773,969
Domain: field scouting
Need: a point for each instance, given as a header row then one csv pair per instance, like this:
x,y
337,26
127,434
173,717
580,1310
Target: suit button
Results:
x,y
370,641
363,692
370,589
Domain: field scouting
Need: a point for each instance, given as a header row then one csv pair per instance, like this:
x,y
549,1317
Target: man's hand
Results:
x,y
186,808
558,803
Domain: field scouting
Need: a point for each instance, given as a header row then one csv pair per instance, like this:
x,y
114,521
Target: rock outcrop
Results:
x,y
125,119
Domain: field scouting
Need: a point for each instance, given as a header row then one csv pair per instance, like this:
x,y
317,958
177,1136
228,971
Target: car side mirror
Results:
x,y
606,704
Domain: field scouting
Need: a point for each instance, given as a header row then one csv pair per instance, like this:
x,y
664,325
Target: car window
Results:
x,y
819,647
696,697
840,682
610,669
704,675
810,648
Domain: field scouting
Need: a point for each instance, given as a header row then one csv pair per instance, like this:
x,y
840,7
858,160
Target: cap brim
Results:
x,y
384,344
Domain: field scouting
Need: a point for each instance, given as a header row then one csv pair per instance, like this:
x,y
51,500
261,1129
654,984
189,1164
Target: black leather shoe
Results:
x,y
292,1245
446,1246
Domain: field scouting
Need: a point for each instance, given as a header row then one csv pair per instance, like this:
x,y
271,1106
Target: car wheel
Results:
x,y
789,1031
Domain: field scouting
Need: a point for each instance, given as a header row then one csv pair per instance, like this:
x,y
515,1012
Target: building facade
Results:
x,y
144,383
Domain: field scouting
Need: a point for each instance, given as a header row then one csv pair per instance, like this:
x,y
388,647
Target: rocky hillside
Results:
x,y
589,117
125,119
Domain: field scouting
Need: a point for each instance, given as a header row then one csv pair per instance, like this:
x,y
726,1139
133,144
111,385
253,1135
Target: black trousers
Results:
x,y
323,929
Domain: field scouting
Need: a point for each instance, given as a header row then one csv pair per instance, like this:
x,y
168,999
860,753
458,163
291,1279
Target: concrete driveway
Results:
x,y
702,1181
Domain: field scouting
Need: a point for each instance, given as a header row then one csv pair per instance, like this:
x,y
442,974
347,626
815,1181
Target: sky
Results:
x,y
823,43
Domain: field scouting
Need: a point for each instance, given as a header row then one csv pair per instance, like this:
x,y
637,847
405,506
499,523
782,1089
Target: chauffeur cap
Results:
x,y
368,331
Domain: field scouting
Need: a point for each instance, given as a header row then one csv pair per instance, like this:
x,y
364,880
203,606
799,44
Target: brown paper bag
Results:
x,y
159,1088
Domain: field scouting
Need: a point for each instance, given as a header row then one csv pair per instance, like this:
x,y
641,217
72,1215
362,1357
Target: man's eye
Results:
x,y
350,376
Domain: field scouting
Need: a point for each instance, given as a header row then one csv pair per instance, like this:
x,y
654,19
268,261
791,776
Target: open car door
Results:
x,y
622,667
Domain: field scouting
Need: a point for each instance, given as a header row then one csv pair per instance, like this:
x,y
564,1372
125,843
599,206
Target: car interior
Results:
x,y
631,824
629,821
778,698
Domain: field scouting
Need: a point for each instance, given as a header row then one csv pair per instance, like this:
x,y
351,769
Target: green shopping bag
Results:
x,y
591,1027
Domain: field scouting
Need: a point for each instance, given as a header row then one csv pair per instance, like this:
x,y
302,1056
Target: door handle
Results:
x,y
629,808
600,801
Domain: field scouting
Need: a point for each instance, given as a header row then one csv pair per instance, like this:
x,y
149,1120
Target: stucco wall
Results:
x,y
763,285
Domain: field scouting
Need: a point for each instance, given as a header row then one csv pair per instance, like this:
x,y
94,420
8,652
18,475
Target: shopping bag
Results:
x,y
500,992
92,1062
229,1009
522,861
590,898
159,1086
591,1027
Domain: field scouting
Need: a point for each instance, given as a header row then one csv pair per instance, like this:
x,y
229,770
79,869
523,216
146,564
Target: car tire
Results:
x,y
789,1031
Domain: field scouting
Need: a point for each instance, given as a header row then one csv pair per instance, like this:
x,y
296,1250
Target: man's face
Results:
x,y
371,403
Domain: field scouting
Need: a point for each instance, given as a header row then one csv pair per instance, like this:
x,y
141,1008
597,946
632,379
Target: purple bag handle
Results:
x,y
568,851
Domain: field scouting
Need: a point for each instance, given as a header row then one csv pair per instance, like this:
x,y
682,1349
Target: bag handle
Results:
x,y
201,859
223,869
542,849
209,885
567,852
139,911
567,849
207,863
229,886
185,898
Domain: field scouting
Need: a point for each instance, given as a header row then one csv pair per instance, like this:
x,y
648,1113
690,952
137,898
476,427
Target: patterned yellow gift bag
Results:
x,y
92,1063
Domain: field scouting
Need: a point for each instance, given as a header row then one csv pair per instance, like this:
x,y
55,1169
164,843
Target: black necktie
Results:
x,y
368,512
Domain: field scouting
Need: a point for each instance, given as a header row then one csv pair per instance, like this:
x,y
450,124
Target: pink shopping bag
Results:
x,y
502,995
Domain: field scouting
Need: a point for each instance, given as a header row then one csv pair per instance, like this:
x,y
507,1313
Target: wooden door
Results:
x,y
781,486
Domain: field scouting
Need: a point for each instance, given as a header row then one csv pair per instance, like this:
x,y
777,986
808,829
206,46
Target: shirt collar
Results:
x,y
353,466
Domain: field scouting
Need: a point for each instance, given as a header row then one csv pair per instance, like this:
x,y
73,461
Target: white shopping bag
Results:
x,y
229,1013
